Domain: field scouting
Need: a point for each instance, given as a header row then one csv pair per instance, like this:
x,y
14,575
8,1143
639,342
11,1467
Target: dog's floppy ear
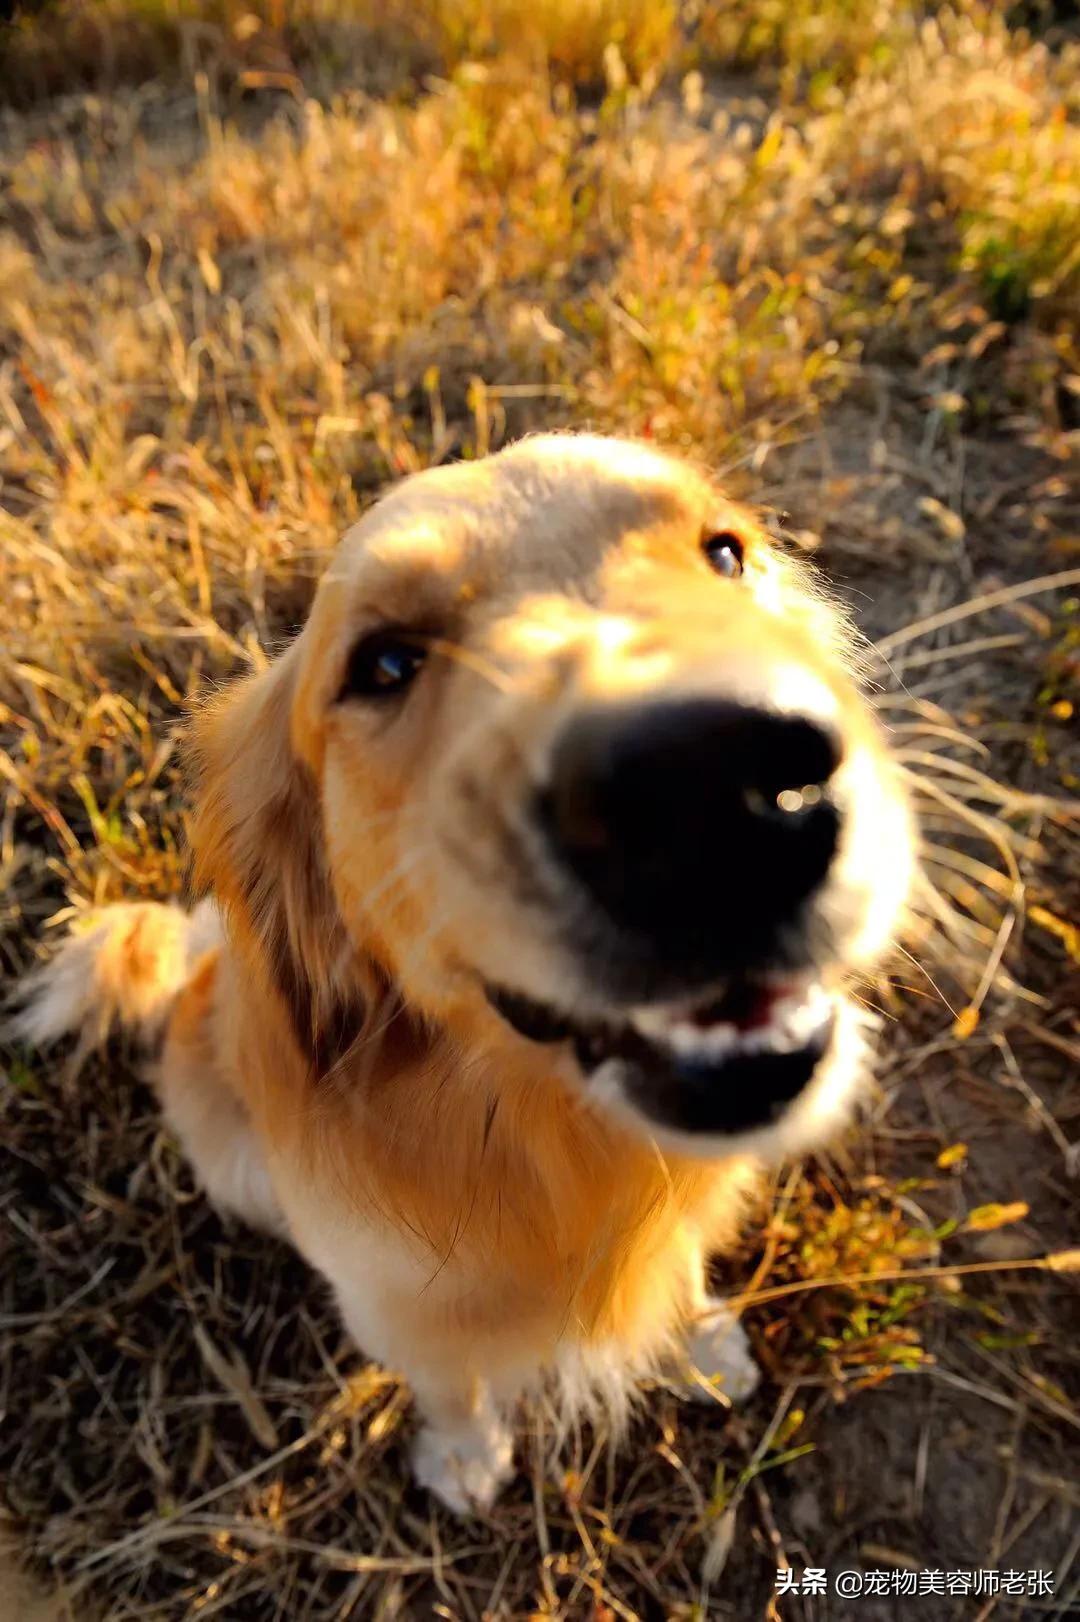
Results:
x,y
257,845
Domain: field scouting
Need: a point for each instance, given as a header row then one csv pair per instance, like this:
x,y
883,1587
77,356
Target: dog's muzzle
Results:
x,y
694,834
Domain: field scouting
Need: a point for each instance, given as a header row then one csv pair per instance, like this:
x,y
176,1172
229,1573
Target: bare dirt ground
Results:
x,y
228,315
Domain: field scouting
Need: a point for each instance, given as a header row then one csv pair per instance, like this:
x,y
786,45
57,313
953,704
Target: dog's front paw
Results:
x,y
720,1357
464,1466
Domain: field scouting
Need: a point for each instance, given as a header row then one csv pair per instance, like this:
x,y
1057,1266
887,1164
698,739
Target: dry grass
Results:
x,y
255,261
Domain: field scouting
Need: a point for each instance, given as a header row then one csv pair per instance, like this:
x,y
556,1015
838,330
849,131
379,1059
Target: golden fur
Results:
x,y
330,1061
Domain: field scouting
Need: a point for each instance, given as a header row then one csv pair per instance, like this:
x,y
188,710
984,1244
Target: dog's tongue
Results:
x,y
748,1007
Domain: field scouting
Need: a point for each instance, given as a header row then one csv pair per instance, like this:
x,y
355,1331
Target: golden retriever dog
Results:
x,y
535,873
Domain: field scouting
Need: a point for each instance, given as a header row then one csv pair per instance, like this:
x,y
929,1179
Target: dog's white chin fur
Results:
x,y
823,1108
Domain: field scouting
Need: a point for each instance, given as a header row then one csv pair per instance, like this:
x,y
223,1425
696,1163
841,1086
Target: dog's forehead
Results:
x,y
542,513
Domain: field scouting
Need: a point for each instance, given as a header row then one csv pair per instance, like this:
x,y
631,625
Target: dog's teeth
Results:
x,y
792,1022
684,1036
709,1042
798,1018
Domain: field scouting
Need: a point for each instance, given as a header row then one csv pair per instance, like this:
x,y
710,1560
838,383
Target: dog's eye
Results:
x,y
724,551
383,664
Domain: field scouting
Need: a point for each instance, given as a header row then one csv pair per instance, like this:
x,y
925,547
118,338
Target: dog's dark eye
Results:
x,y
724,551
383,664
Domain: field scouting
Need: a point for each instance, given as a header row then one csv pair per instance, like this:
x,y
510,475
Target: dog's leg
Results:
x,y
717,1348
464,1450
217,1137
213,1127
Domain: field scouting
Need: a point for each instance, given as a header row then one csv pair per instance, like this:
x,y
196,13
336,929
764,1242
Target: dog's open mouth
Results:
x,y
727,1064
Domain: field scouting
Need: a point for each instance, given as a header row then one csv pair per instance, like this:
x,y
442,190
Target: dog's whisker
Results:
x,y
913,960
471,660
397,874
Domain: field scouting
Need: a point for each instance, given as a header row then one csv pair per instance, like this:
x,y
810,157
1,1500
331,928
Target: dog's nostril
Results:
x,y
571,805
790,802
780,757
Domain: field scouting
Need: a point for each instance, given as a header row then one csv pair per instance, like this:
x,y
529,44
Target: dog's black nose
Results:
x,y
700,824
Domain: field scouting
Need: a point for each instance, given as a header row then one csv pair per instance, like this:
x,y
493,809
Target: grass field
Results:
x,y
258,260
